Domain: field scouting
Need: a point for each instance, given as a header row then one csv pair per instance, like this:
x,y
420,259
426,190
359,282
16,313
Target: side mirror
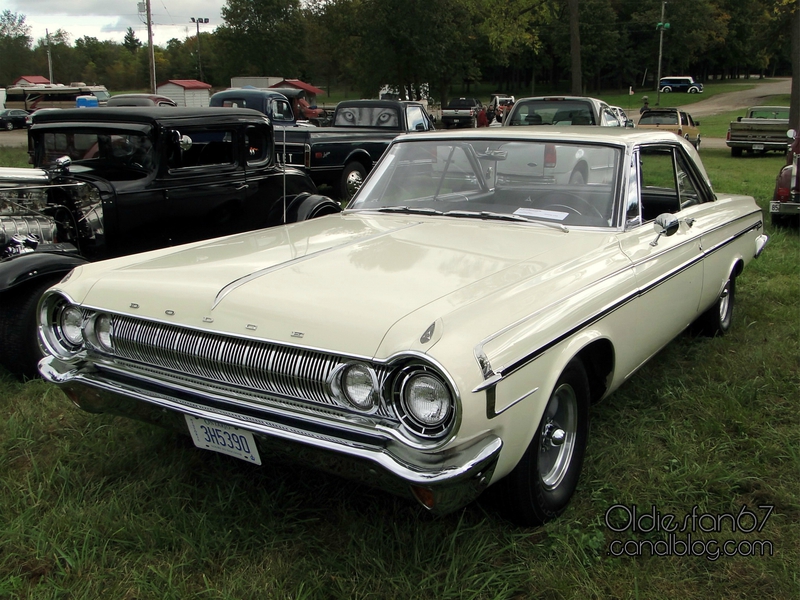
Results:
x,y
665,224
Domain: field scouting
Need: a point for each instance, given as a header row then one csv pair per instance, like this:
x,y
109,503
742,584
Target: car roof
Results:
x,y
571,133
147,115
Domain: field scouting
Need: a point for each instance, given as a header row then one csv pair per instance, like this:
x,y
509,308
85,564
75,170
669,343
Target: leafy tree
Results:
x,y
15,46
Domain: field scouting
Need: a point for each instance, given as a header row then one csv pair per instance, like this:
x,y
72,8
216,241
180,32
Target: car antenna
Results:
x,y
284,175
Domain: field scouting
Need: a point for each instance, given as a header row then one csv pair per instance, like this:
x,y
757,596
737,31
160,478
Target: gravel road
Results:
x,y
717,104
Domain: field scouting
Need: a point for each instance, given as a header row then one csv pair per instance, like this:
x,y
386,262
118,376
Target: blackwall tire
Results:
x,y
19,346
542,484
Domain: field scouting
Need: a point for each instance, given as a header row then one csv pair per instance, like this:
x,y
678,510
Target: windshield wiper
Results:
x,y
410,210
485,214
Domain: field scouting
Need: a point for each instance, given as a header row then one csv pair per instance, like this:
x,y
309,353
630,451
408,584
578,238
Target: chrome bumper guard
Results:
x,y
453,477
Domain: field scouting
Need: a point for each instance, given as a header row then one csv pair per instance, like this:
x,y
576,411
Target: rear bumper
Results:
x,y
785,208
450,478
756,145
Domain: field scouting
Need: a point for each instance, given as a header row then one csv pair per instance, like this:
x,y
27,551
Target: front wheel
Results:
x,y
541,485
351,180
9,126
19,346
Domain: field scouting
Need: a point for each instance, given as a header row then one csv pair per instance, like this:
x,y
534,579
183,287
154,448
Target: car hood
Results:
x,y
342,282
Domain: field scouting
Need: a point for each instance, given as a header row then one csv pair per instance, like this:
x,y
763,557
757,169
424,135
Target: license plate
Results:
x,y
758,146
226,439
774,207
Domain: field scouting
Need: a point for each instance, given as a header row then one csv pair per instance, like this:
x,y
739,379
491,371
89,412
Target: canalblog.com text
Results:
x,y
691,535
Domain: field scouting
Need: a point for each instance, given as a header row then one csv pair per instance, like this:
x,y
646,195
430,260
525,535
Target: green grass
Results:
x,y
93,506
13,157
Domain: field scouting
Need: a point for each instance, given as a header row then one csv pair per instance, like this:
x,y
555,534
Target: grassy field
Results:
x,y
705,434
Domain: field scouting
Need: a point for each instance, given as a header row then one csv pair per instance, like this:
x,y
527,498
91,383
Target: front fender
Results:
x,y
27,267
308,206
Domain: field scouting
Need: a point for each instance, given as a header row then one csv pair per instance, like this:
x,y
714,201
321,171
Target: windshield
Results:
x,y
556,182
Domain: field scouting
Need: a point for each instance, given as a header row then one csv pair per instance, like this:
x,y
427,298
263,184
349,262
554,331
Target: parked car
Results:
x,y
302,109
624,119
560,111
681,83
461,112
785,206
140,100
126,181
762,129
13,118
31,115
269,102
495,301
342,155
672,119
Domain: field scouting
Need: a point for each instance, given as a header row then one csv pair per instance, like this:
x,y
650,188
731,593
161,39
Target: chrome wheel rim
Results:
x,y
558,433
353,182
725,302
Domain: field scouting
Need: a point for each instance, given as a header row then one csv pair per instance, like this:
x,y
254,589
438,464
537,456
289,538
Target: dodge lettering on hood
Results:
x,y
447,332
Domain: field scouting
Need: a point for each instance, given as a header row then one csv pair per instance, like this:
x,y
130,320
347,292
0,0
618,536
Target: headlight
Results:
x,y
423,401
61,326
99,330
70,320
356,384
359,386
426,399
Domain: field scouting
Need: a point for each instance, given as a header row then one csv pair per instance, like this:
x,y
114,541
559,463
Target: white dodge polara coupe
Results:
x,y
447,332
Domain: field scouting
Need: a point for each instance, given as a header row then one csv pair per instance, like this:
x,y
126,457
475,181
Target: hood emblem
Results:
x,y
208,320
297,334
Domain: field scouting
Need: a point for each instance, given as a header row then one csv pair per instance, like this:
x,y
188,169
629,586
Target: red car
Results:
x,y
785,205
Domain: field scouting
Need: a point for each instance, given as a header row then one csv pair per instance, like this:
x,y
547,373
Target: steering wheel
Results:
x,y
558,200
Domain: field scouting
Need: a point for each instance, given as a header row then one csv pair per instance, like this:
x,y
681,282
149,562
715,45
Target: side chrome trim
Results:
x,y
494,376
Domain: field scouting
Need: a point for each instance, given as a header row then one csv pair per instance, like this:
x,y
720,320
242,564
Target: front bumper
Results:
x,y
441,481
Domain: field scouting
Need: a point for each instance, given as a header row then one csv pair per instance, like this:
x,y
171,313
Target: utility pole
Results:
x,y
197,21
145,7
661,27
49,56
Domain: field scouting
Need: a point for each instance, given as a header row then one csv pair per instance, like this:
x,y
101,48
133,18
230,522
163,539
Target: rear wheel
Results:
x,y
19,352
666,90
735,152
541,485
718,318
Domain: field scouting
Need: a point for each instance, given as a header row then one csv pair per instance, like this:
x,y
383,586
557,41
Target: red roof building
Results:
x,y
301,85
31,80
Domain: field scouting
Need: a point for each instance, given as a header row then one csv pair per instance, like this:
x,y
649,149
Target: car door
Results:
x,y
204,185
668,268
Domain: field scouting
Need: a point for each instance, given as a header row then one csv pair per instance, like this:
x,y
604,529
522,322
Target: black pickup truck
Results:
x,y
108,182
342,155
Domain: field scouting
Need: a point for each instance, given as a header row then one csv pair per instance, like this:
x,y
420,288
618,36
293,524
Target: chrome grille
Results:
x,y
252,365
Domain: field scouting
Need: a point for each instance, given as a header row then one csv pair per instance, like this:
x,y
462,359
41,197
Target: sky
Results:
x,y
110,19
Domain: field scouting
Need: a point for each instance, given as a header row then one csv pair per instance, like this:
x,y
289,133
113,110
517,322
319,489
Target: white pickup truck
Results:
x,y
761,130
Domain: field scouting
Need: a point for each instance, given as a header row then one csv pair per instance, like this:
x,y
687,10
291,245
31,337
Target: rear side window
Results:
x,y
204,147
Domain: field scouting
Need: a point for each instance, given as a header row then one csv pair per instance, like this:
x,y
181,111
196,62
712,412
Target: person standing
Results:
x,y
645,105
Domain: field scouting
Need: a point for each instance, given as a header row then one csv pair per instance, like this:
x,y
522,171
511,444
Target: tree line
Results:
x,y
450,45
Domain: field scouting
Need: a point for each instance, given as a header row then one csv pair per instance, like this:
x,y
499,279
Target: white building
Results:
x,y
186,92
